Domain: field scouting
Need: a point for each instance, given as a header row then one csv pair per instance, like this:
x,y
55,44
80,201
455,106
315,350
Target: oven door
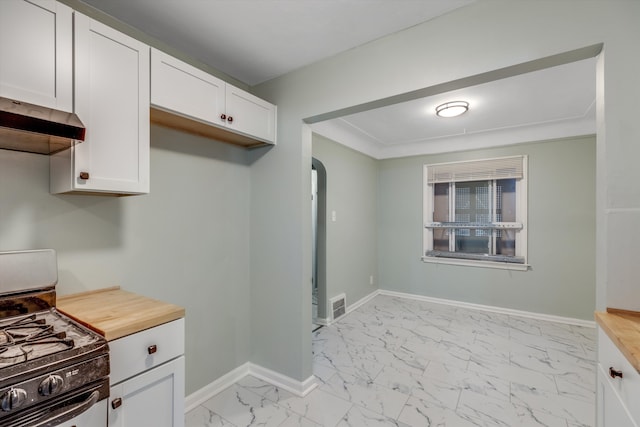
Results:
x,y
96,416
84,407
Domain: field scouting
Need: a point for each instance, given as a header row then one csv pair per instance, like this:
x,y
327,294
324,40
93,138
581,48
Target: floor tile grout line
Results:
x,y
456,321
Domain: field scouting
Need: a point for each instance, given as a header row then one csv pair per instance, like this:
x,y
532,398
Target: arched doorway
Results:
x,y
318,221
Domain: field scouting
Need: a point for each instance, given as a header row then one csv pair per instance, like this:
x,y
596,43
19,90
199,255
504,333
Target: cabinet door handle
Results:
x,y
613,373
116,403
230,119
152,349
223,117
84,175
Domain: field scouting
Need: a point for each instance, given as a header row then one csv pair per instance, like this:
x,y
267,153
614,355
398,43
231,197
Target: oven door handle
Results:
x,y
70,412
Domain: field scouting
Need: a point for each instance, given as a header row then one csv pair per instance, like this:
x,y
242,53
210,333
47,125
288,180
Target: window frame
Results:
x,y
521,217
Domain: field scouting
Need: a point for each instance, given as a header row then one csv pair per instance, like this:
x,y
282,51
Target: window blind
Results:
x,y
476,170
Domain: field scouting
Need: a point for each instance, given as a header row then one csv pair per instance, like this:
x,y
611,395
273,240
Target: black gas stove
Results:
x,y
52,369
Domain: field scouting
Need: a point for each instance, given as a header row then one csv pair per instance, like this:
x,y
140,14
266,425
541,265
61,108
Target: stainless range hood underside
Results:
x,y
36,129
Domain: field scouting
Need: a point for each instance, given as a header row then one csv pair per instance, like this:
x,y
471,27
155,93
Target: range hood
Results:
x,y
36,129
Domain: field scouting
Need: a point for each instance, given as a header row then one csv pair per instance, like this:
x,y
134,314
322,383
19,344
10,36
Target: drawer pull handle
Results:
x,y
116,403
84,175
613,373
152,349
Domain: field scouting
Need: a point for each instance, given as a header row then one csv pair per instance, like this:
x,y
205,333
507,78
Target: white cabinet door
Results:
x,y
36,57
153,398
231,114
112,100
250,115
611,411
626,386
186,90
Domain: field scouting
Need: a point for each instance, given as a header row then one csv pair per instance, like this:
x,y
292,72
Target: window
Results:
x,y
475,212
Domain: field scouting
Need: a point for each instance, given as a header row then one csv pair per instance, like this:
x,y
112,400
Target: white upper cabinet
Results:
x,y
36,52
250,115
189,99
112,100
183,89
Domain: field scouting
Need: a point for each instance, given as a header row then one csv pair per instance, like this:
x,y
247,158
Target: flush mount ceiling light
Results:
x,y
452,109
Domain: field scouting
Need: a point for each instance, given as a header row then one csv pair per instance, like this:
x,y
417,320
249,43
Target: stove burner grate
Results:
x,y
29,338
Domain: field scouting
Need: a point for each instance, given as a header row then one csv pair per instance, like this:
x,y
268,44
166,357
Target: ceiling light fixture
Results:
x,y
452,109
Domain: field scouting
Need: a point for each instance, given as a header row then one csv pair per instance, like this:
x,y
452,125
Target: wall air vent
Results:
x,y
338,306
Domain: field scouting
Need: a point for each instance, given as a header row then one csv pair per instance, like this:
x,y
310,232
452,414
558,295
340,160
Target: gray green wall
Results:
x,y
561,235
351,241
490,35
379,206
254,265
187,242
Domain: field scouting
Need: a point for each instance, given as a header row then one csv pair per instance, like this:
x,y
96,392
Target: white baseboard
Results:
x,y
302,388
321,321
493,309
351,307
207,392
362,301
299,388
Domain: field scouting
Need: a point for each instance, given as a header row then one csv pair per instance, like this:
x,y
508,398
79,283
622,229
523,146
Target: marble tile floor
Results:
x,y
401,362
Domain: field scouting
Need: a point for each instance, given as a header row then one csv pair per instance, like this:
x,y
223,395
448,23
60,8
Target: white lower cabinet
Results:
x,y
147,378
149,399
611,410
618,387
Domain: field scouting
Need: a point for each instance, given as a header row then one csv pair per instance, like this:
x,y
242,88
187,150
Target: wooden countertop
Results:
x,y
115,313
623,328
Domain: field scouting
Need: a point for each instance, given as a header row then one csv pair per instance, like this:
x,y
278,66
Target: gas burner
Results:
x,y
43,334
32,348
47,361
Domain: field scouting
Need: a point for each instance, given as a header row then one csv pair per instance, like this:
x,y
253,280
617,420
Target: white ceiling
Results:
x,y
552,103
257,40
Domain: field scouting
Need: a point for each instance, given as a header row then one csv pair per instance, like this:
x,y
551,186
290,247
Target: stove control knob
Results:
x,y
50,385
12,399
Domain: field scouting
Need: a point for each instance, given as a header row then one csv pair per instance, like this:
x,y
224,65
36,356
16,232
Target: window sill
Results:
x,y
475,263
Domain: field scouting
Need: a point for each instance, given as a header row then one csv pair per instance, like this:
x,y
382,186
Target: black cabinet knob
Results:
x,y
613,373
116,403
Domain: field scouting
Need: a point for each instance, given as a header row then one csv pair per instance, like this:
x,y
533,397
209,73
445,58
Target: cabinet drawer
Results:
x,y
627,387
144,350
154,398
